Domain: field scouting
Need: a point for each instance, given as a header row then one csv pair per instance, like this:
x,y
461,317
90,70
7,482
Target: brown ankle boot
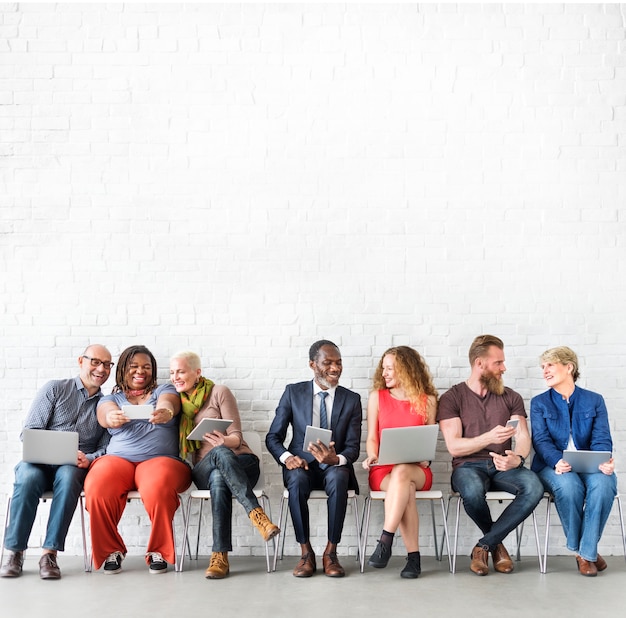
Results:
x,y
263,524
218,567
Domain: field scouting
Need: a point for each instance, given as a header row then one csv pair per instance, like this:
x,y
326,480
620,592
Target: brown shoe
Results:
x,y
586,568
263,524
332,568
480,556
218,567
600,563
501,560
48,567
13,566
306,567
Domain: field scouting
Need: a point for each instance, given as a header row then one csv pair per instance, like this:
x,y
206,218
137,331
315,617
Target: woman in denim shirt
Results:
x,y
568,417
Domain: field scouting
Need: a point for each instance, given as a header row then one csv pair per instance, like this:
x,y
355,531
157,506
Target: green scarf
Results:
x,y
190,405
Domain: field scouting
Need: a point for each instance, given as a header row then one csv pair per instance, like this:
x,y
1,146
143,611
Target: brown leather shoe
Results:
x,y
586,568
48,567
480,556
13,566
600,563
306,567
262,523
218,567
501,560
332,568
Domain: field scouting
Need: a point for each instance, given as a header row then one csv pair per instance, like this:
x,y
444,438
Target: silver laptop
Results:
x,y
407,444
586,462
44,446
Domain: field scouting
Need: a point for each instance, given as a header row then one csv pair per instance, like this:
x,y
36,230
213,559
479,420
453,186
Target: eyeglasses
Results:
x,y
96,362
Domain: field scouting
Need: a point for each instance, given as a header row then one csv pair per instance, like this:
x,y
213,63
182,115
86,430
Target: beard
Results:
x,y
492,383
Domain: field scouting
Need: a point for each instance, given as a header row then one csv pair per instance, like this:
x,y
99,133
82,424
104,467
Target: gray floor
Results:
x,y
250,591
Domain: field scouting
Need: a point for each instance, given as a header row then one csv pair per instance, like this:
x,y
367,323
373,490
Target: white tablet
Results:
x,y
586,462
313,434
208,425
138,412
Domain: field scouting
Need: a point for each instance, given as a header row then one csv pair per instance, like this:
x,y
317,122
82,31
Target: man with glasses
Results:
x,y
60,405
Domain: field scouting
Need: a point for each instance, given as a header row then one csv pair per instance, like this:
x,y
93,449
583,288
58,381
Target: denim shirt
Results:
x,y
551,425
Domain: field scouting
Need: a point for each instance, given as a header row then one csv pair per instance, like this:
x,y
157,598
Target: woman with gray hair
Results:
x,y
223,462
567,417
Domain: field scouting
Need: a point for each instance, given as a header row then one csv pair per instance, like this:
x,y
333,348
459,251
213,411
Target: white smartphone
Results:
x,y
513,422
138,412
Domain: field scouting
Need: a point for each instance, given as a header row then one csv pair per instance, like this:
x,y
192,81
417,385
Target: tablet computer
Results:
x,y
208,425
313,434
586,462
138,412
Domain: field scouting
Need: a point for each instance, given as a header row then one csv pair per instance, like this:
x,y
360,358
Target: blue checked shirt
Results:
x,y
65,405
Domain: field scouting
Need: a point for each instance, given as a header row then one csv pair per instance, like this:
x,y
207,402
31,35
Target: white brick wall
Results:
x,y
242,180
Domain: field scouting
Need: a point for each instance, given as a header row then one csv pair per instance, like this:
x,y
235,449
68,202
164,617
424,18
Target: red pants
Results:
x,y
158,480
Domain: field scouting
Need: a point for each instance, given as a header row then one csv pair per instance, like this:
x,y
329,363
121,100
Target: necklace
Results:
x,y
137,393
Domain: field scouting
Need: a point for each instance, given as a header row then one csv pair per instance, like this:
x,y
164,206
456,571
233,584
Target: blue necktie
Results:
x,y
323,414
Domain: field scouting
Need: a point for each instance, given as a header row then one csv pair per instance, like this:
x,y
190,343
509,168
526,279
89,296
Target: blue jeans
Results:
x,y
227,475
31,481
583,502
473,479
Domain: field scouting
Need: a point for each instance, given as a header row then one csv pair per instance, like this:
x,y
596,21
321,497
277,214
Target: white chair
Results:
x,y
253,440
49,496
135,495
316,494
432,496
550,500
499,496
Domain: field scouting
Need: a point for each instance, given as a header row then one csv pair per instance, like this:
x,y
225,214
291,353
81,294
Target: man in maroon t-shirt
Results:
x,y
474,417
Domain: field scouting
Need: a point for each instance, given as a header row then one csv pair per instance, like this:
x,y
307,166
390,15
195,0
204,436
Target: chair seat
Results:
x,y
316,494
253,440
432,495
499,496
135,495
550,498
48,495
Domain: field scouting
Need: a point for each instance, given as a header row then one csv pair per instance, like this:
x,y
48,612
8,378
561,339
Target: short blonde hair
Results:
x,y
563,355
193,360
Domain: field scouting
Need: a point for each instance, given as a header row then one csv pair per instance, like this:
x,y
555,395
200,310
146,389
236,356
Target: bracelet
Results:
x,y
171,413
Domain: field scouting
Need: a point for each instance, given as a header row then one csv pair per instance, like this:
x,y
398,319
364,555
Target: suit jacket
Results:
x,y
551,427
296,409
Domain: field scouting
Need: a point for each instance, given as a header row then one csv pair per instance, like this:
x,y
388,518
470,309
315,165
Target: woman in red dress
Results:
x,y
402,395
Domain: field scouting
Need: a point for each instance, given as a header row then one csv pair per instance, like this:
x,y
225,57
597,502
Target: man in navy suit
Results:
x,y
315,466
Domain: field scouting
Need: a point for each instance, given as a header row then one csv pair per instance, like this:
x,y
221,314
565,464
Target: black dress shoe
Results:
x,y
380,557
48,567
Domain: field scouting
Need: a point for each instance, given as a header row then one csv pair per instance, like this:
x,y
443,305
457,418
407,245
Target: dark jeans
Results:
x,y
474,479
334,480
227,476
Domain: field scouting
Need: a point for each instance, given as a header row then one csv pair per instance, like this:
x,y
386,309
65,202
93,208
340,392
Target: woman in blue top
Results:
x,y
142,455
568,417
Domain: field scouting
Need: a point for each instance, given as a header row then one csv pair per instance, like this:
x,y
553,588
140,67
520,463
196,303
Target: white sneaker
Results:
x,y
157,564
113,564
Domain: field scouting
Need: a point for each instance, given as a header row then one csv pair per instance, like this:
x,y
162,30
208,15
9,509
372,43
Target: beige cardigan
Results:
x,y
221,404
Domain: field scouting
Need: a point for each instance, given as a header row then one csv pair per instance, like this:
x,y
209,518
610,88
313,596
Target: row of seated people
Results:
x,y
154,456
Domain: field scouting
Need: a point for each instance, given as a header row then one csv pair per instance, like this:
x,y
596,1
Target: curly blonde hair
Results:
x,y
412,373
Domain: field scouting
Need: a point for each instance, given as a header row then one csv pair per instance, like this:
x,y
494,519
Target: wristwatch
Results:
x,y
522,460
